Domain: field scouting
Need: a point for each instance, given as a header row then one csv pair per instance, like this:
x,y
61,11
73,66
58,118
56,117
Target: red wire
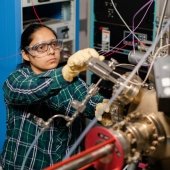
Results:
x,y
115,51
35,12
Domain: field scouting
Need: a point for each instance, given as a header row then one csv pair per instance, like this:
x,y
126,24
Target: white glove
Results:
x,y
101,108
78,63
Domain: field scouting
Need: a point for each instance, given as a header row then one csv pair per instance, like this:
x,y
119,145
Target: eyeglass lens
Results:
x,y
43,47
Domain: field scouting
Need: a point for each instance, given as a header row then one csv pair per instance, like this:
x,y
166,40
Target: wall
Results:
x,y
9,55
84,11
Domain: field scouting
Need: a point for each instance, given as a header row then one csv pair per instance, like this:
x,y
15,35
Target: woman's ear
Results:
x,y
25,55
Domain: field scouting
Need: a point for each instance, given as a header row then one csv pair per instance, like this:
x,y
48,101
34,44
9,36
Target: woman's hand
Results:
x,y
78,63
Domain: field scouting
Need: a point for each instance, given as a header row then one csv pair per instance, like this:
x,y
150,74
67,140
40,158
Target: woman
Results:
x,y
39,90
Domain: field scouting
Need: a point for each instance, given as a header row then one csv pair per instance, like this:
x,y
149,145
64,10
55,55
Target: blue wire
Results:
x,y
31,146
83,134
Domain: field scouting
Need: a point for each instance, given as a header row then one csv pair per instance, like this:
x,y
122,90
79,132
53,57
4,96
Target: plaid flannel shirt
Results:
x,y
28,96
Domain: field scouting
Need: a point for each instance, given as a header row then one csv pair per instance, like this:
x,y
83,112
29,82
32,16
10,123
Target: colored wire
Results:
x,y
80,138
30,148
133,29
131,32
35,12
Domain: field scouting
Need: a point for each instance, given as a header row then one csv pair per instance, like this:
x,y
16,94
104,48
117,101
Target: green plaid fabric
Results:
x,y
29,96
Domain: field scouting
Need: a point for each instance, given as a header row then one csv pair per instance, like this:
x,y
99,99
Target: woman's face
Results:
x,y
41,61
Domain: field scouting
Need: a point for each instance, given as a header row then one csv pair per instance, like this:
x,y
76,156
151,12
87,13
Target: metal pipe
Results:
x,y
89,158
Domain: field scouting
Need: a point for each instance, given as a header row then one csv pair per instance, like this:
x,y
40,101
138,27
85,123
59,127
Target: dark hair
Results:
x,y
26,36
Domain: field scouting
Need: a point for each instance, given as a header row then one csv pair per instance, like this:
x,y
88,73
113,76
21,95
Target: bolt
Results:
x,y
161,139
155,135
155,143
152,148
133,141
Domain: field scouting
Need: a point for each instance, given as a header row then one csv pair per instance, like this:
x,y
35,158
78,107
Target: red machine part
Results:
x,y
114,161
103,152
85,159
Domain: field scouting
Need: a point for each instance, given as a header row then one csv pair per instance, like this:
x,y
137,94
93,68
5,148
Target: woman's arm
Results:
x,y
75,91
24,87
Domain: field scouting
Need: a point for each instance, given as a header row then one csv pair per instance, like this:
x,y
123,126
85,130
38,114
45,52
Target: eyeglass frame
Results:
x,y
31,48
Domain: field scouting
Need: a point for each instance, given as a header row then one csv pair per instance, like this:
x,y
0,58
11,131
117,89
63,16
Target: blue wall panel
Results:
x,y
10,29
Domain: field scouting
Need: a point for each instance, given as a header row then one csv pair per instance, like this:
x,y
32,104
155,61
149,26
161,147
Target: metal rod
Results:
x,y
89,158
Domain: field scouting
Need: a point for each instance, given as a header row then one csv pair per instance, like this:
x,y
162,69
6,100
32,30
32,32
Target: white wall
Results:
x,y
84,39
